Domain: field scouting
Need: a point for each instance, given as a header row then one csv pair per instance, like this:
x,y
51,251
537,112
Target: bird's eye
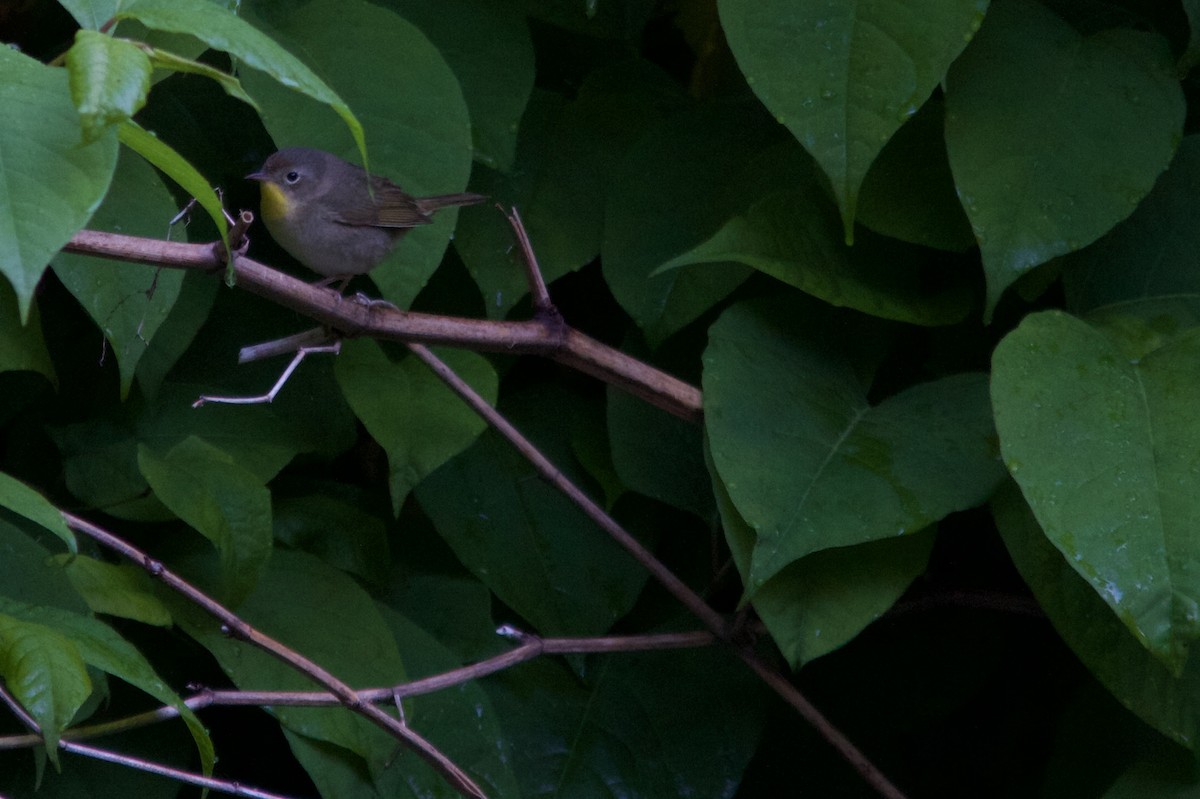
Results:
x,y
292,177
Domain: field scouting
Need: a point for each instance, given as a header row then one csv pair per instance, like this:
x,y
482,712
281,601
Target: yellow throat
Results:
x,y
275,204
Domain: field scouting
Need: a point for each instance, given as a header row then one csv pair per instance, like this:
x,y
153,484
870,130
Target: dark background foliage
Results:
x,y
936,269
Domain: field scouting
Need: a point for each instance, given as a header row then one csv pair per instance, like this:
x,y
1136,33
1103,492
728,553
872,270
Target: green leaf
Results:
x,y
261,439
128,301
565,158
663,200
658,454
843,77
461,722
1153,253
337,530
411,413
321,612
1141,682
175,333
680,723
1096,426
1156,778
45,673
793,236
222,30
221,500
489,48
24,501
22,346
101,647
101,470
529,544
413,107
1055,137
124,591
109,80
1191,56
49,184
909,191
810,464
822,601
161,155
27,572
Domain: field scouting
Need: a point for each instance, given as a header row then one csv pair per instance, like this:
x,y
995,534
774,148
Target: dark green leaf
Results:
x,y
22,346
1096,427
1138,679
162,59
658,454
667,196
221,500
335,529
530,545
127,301
488,47
1054,137
176,332
1153,253
844,76
810,464
794,237
411,413
822,601
27,572
91,14
461,722
565,159
680,723
909,191
324,614
24,501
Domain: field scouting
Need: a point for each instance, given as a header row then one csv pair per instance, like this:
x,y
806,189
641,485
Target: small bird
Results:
x,y
318,207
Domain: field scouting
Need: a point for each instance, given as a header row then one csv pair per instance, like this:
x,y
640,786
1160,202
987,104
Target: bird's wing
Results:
x,y
390,207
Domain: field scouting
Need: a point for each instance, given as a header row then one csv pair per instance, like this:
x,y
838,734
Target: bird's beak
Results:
x,y
260,175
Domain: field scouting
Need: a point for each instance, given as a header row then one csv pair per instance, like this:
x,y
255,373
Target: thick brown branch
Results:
x,y
535,337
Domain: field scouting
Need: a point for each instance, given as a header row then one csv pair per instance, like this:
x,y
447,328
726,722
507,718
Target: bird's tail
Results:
x,y
436,203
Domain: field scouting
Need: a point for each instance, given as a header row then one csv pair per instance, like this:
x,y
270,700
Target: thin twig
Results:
x,y
542,303
531,646
240,629
314,337
676,587
107,755
263,399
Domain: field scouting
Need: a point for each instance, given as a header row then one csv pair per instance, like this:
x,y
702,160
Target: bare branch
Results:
x,y
262,399
239,628
535,337
676,587
531,646
141,764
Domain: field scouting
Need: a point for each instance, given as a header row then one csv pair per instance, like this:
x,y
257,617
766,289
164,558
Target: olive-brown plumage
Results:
x,y
318,207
